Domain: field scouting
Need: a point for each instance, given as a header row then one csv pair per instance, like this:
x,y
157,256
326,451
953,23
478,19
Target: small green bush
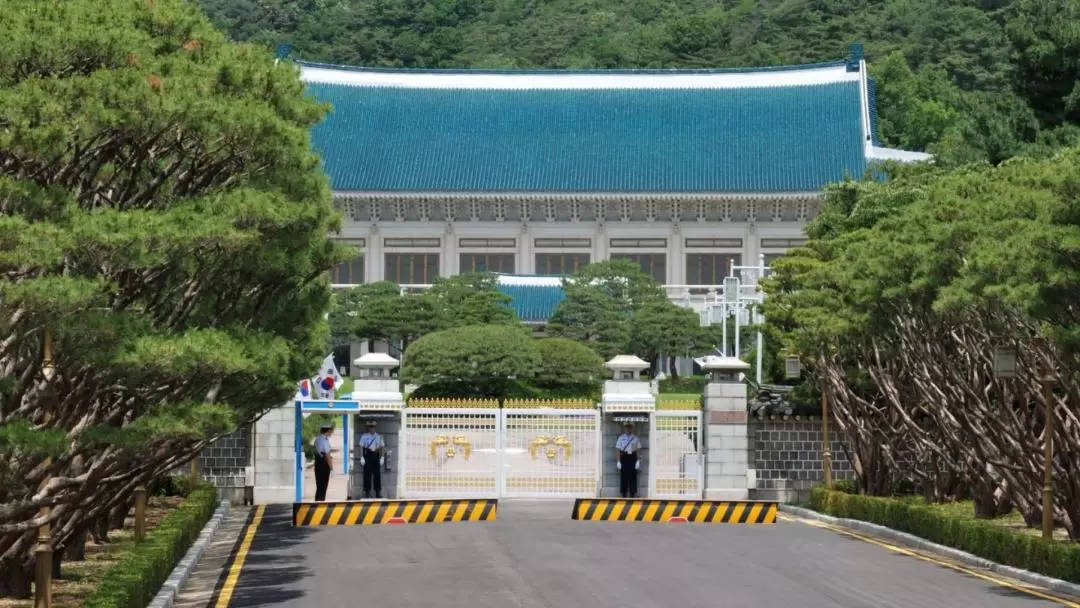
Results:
x,y
978,537
134,581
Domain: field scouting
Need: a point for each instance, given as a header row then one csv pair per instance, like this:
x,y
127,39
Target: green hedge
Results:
x,y
978,537
135,580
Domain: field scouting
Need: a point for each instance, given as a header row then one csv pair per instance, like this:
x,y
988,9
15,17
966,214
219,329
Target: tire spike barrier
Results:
x,y
675,511
374,512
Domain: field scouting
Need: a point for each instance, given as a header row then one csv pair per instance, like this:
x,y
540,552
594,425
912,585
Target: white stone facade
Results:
x,y
593,227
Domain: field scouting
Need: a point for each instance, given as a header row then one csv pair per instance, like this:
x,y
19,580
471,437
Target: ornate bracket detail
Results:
x,y
450,446
551,446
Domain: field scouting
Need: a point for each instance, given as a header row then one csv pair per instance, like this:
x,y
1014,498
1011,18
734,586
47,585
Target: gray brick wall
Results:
x,y
786,455
224,463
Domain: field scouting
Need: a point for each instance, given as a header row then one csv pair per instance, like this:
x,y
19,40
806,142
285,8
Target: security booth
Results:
x,y
379,400
304,407
626,400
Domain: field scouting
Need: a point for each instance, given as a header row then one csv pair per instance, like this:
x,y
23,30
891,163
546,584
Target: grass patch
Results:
x,y
1004,540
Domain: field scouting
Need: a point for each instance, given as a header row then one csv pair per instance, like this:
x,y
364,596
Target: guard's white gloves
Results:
x,y
362,461
637,465
618,464
382,461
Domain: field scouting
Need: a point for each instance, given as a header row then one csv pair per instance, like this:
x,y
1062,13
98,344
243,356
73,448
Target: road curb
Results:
x,y
916,542
167,594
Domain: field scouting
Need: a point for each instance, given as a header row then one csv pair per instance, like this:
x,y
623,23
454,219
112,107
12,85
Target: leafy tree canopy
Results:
x,y
164,219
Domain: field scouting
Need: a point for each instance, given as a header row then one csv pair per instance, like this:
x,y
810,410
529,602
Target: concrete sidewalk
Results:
x,y
210,571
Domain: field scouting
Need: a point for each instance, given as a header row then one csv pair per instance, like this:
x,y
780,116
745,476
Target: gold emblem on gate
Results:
x,y
450,446
551,446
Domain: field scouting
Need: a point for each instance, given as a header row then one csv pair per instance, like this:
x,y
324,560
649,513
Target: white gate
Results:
x,y
450,452
675,455
550,452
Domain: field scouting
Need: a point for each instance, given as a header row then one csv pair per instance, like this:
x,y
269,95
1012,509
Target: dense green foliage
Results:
x,y
897,304
501,362
981,538
135,581
966,80
165,222
617,309
379,311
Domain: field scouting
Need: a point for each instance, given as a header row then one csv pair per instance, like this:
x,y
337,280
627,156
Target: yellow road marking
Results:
x,y
1023,588
238,561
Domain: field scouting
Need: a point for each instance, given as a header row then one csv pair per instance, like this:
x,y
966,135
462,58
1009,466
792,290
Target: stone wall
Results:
x,y
226,462
786,458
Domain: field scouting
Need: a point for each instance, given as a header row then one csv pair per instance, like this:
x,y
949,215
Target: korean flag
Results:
x,y
329,380
303,390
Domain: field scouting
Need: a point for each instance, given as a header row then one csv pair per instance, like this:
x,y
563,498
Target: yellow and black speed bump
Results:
x,y
682,511
369,512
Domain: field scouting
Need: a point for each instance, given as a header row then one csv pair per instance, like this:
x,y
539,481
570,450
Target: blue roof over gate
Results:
x,y
533,303
678,140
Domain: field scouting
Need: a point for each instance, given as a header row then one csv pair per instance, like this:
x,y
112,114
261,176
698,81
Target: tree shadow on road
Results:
x,y
276,562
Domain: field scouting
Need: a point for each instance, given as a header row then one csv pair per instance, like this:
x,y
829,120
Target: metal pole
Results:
x,y
826,454
43,553
738,328
723,307
140,512
193,476
1048,459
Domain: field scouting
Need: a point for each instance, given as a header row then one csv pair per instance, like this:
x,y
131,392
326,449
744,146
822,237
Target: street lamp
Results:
x,y
43,552
792,367
1005,367
1004,362
793,370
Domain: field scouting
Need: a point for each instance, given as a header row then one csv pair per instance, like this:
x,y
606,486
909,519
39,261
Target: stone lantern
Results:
x,y
626,368
724,370
374,373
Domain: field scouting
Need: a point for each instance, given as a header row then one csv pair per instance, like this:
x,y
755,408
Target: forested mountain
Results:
x,y
965,79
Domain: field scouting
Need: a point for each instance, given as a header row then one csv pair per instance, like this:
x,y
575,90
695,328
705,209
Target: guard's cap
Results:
x,y
326,427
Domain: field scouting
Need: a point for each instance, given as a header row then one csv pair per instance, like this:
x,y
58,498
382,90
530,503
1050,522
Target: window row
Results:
x,y
422,268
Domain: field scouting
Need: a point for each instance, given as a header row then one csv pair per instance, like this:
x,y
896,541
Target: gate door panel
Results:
x,y
450,452
550,452
675,454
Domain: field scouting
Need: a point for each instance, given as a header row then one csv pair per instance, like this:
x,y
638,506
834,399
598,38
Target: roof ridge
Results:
x,y
593,71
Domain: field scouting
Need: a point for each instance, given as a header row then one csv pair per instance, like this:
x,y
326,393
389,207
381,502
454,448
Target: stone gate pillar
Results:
x,y
726,436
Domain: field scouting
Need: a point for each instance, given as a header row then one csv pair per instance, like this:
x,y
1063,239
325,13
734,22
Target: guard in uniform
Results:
x,y
628,463
372,460
324,462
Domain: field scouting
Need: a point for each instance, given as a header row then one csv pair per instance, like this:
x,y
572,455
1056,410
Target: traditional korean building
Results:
x,y
541,172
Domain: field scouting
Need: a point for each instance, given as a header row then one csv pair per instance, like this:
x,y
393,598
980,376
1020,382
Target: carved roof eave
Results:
x,y
517,197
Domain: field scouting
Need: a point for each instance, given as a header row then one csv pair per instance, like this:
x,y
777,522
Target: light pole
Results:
x,y
1005,367
43,553
793,371
1048,457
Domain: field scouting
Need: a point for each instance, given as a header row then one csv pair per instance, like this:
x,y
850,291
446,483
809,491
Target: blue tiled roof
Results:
x,y
533,303
775,139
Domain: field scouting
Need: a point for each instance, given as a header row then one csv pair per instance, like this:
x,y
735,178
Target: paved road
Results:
x,y
534,556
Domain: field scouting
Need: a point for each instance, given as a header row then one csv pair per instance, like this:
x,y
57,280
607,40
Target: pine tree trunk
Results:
x,y
15,579
100,530
76,547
